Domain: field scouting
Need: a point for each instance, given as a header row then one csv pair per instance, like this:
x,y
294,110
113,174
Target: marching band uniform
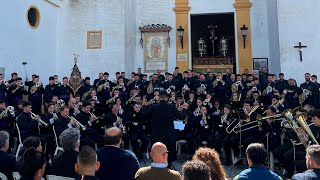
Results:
x,y
49,91
28,126
3,92
15,94
63,92
36,97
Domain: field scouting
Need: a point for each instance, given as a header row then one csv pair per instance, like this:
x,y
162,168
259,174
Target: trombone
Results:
x,y
41,122
247,126
78,125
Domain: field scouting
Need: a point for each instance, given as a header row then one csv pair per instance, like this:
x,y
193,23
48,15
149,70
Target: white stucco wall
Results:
x,y
18,42
298,22
155,12
78,17
259,29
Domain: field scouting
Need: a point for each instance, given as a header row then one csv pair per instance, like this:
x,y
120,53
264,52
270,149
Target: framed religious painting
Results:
x,y
94,39
259,63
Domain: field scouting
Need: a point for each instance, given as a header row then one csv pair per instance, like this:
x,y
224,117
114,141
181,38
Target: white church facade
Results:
x,y
106,36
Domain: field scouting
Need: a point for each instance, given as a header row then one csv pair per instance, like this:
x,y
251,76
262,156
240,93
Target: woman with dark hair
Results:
x,y
34,165
212,159
46,133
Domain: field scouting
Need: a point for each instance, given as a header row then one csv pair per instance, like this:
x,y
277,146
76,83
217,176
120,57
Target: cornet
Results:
x,y
41,122
121,126
78,125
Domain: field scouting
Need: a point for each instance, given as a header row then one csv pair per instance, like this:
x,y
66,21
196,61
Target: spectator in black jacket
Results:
x,y
63,164
8,161
116,163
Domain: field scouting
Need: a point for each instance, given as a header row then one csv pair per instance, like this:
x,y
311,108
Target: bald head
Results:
x,y
159,153
113,136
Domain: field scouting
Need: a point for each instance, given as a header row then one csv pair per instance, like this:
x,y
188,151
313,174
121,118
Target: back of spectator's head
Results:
x,y
32,142
195,170
256,154
313,157
212,159
87,161
33,164
4,141
113,136
159,153
70,139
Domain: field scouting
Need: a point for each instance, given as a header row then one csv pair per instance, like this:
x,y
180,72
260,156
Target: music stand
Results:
x,y
240,135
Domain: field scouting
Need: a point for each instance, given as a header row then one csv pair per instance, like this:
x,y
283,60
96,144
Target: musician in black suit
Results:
x,y
163,115
63,163
35,94
15,92
49,90
85,88
64,90
63,122
28,126
116,163
8,161
312,87
136,123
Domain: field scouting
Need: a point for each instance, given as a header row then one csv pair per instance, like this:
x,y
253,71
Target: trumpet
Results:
x,y
224,120
111,100
121,126
131,99
78,125
168,91
41,122
204,119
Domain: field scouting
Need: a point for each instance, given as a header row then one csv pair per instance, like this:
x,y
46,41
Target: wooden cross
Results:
x,y
300,49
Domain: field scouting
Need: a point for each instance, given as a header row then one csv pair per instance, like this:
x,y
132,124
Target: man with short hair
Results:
x,y
116,163
63,164
158,169
87,164
195,170
313,164
8,161
256,157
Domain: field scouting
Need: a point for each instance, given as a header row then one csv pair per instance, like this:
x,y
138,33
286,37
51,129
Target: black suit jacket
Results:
x,y
63,164
116,163
163,115
8,164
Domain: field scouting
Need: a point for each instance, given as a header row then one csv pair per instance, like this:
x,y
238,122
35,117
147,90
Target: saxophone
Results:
x,y
150,88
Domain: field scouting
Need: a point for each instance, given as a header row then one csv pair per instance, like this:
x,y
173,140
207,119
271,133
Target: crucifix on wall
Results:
x,y
213,36
300,47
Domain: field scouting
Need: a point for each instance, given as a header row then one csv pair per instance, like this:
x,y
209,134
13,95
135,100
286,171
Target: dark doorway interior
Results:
x,y
225,28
